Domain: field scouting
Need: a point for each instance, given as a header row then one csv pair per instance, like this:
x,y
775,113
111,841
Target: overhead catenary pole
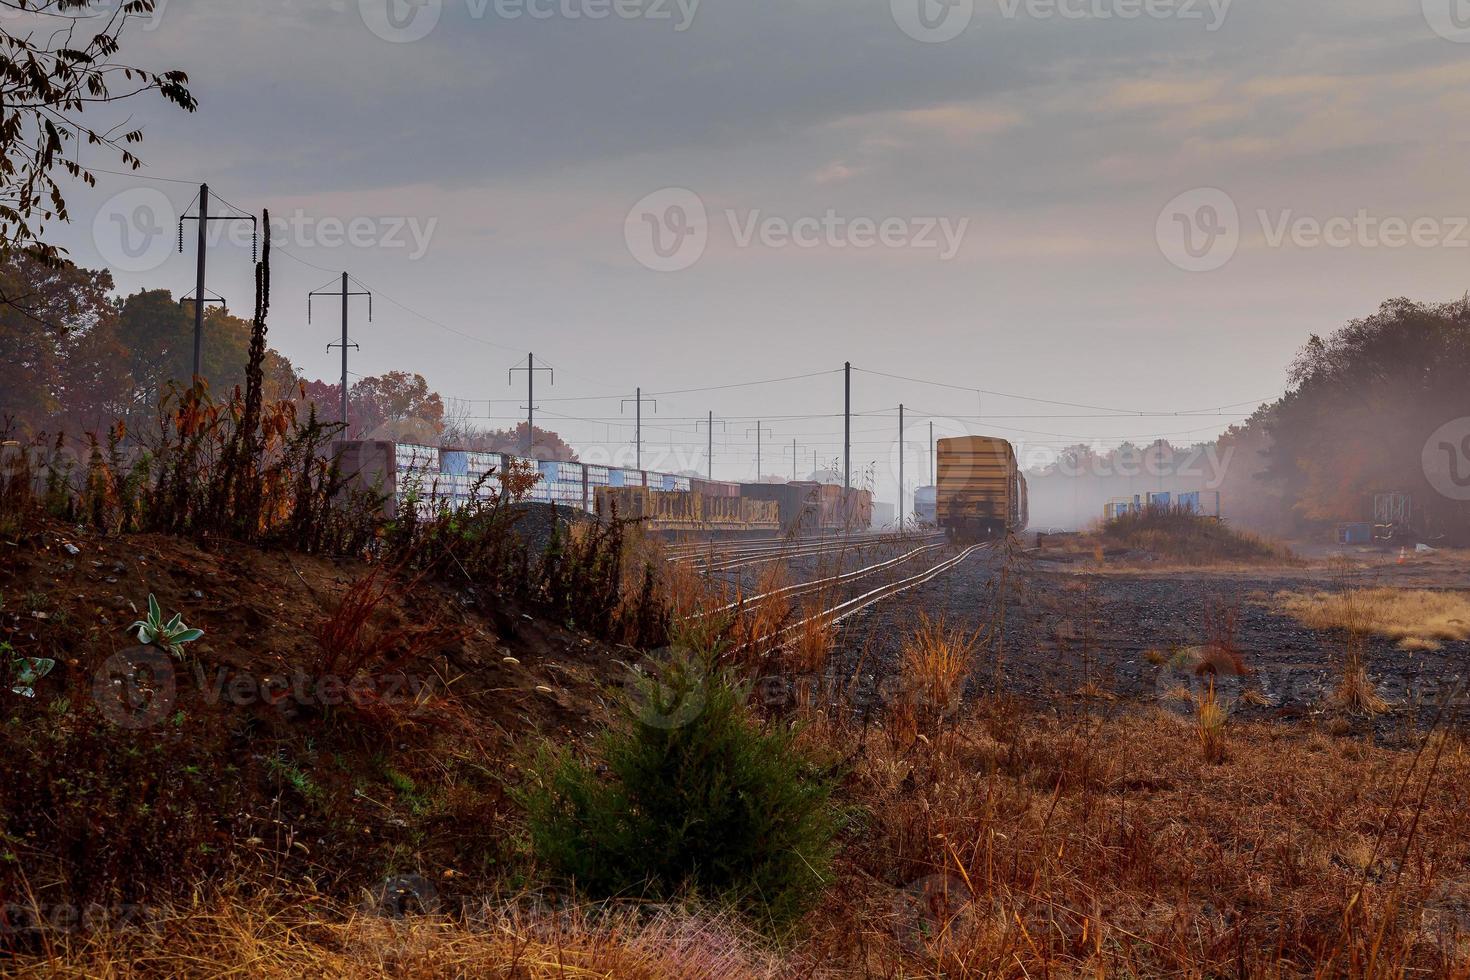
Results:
x,y
638,425
345,291
199,281
530,370
793,460
759,428
710,422
933,461
344,348
900,468
847,425
202,241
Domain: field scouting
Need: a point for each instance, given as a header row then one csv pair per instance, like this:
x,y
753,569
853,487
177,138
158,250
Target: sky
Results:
x,y
1022,207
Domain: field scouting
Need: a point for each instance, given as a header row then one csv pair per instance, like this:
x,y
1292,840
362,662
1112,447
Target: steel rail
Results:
x,y
816,585
732,562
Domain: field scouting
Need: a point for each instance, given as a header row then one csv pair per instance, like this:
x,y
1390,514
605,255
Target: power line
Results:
x,y
1121,412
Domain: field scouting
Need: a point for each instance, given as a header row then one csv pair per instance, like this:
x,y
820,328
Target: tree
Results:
x,y
1363,403
395,404
545,445
60,308
45,87
158,334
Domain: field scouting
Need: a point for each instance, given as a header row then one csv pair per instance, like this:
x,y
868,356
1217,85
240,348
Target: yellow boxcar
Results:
x,y
981,492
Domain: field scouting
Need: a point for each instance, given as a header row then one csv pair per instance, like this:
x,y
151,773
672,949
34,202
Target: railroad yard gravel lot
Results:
x,y
1077,638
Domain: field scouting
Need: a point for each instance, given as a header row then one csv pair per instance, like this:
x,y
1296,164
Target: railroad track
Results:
x,y
706,551
840,611
817,585
742,558
843,610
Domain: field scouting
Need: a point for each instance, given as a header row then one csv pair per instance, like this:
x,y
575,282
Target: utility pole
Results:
x,y
638,424
711,424
758,430
847,426
199,301
530,370
900,468
933,460
344,293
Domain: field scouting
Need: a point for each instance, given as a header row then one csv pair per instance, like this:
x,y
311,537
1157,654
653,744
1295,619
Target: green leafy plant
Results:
x,y
25,671
171,635
690,794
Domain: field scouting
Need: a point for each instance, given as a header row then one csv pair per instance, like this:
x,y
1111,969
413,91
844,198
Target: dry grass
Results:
x,y
811,641
1210,717
1011,844
1417,618
936,661
1170,540
308,939
1112,847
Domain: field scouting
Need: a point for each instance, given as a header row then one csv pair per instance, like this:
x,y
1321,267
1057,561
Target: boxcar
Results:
x,y
981,492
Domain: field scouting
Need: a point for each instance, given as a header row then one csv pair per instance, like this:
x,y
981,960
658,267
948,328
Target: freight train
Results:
x,y
799,509
666,502
981,492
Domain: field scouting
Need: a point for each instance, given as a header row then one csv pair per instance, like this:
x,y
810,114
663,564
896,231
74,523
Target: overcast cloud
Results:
x,y
492,163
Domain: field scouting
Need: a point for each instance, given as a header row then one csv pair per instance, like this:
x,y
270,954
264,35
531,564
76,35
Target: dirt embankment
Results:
x,y
255,747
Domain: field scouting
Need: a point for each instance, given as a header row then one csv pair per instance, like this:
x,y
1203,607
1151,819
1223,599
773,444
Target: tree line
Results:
x,y
76,359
